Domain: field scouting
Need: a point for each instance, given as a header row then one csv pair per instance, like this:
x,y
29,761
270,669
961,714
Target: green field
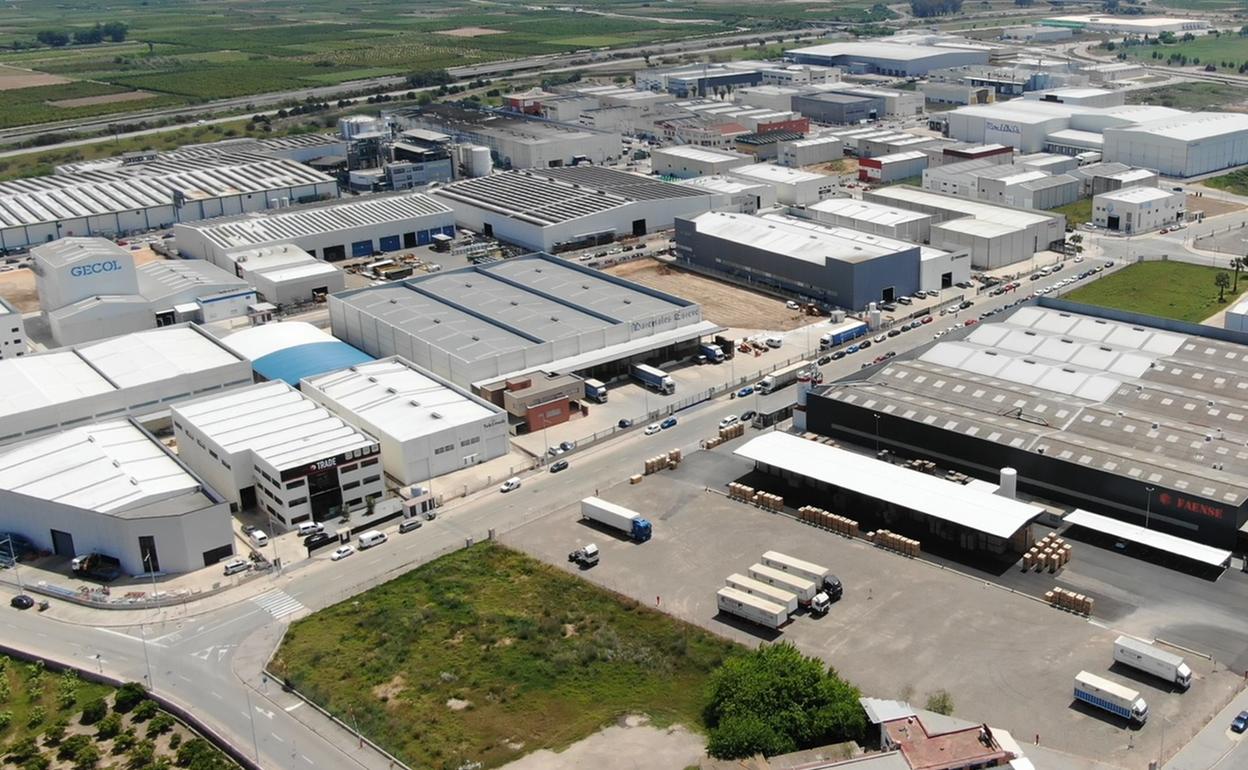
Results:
x,y
1225,51
542,659
1176,290
1076,213
1193,97
1234,182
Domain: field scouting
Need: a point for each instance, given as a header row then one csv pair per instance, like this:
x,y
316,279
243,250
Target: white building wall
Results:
x,y
931,270
13,341
1138,217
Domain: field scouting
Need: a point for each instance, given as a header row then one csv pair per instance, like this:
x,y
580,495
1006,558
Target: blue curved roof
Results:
x,y
293,364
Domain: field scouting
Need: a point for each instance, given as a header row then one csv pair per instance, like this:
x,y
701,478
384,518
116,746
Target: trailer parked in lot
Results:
x,y
751,608
1142,656
805,589
763,590
654,379
822,576
1111,696
618,517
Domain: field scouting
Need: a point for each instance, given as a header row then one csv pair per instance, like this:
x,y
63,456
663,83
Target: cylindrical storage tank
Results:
x,y
1009,483
479,162
874,318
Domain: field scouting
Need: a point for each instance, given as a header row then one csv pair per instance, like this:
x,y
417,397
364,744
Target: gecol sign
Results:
x,y
107,266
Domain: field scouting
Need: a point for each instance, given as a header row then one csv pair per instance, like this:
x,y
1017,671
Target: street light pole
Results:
x,y
251,714
147,562
1148,506
877,432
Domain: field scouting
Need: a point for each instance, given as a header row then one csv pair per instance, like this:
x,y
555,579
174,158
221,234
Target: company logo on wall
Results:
x,y
1003,128
107,266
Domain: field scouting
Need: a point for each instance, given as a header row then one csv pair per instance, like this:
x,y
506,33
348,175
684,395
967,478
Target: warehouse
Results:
x,y
961,179
138,197
810,151
1183,145
1100,178
839,109
1114,72
897,104
426,426
1048,162
1139,25
956,93
291,351
793,187
894,167
1036,34
995,235
874,218
536,312
1048,192
285,274
887,58
271,448
113,488
558,209
684,161
1123,419
838,267
1087,97
772,97
359,228
1138,209
13,341
135,375
743,197
1022,124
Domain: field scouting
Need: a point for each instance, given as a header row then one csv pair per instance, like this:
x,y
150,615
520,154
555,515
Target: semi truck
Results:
x,y
771,593
618,517
1143,656
714,353
822,576
751,608
782,377
1111,696
842,334
808,593
596,390
654,379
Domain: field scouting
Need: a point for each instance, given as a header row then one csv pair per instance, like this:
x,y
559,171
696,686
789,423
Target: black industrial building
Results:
x,y
839,109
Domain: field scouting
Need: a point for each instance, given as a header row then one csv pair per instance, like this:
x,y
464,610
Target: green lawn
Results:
x,y
542,659
1076,213
1193,97
1209,49
1176,290
1234,182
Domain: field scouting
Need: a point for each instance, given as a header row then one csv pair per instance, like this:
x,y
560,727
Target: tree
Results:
x,y
114,31
108,727
87,757
93,712
941,702
88,36
774,700
52,38
55,732
1222,280
1238,263
429,78
128,696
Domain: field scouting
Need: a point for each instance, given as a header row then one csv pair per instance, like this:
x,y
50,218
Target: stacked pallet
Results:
x,y
769,501
711,443
740,492
894,542
662,462
817,517
1069,601
732,431
1049,554
635,478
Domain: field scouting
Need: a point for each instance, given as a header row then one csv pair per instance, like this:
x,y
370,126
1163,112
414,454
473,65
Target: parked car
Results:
x,y
510,484
652,429
567,446
1238,724
851,349
838,355
749,415
965,304
894,332
824,360
905,300
888,307
318,540
880,337
341,552
927,319
24,602
670,422
625,423
561,465
791,305
310,527
729,420
236,565
864,344
971,321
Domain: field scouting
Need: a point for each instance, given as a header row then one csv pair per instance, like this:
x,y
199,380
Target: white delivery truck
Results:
x,y
822,576
752,608
1143,656
808,593
764,591
618,517
782,377
1111,696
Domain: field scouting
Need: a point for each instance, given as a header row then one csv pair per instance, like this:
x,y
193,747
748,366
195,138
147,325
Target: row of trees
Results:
x,y
113,32
926,8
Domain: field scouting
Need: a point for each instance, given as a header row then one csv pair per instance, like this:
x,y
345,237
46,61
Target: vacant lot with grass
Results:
x,y
1234,182
1194,97
1076,213
486,654
1167,289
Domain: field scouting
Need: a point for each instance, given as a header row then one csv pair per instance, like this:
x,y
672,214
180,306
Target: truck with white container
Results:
x,y
842,333
713,353
808,593
1113,697
752,608
764,591
653,378
617,517
1143,656
782,377
822,576
596,390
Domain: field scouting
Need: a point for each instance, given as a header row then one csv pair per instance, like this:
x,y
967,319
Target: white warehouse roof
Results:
x,y
773,174
867,211
699,154
797,239
874,50
152,356
1139,195
903,194
1192,127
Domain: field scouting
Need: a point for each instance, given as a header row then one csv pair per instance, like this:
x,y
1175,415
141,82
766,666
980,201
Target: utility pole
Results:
x,y
1148,506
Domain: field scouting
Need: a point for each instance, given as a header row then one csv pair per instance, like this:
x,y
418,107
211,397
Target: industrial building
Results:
x,y
284,274
111,199
562,208
994,235
1098,178
359,228
521,315
292,351
1139,25
1035,33
839,109
114,489
1181,145
772,97
886,58
91,288
685,161
887,221
699,80
1138,209
271,448
1022,124
135,375
742,197
1088,97
425,425
1023,185
1106,412
896,104
793,187
13,342
810,151
894,167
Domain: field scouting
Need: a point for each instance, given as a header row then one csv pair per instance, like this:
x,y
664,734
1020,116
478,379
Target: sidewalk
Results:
x,y
1215,746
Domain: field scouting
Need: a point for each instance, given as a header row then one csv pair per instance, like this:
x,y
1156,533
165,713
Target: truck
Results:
x,y
618,517
822,576
771,593
842,334
654,379
782,377
596,390
96,566
808,593
1143,656
751,608
714,353
585,557
1111,696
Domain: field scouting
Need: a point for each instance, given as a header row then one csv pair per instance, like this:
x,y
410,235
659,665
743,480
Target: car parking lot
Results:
x,y
905,628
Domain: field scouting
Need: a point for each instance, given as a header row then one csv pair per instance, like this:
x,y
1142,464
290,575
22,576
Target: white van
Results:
x,y
258,538
774,342
310,528
372,538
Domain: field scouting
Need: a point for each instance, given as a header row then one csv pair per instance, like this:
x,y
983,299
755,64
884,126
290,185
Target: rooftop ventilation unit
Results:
x,y
414,402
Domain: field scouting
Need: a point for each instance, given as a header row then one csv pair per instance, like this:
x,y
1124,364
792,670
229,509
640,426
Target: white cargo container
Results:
x,y
752,608
617,517
764,591
1143,656
805,589
822,576
1111,696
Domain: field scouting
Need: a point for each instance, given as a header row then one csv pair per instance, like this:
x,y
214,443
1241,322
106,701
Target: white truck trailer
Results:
x,y
617,517
752,608
763,590
782,377
1142,656
805,589
822,576
1111,696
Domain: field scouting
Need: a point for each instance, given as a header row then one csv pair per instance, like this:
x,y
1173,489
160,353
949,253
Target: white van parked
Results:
x,y
372,538
774,342
258,538
310,528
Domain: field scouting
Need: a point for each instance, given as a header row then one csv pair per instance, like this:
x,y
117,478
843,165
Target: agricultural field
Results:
x,y
486,654
1194,97
1226,51
1178,290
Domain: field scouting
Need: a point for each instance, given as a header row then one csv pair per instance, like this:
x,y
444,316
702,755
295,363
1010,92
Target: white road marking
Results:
x,y
263,712
216,695
277,737
208,629
305,759
292,708
131,637
279,604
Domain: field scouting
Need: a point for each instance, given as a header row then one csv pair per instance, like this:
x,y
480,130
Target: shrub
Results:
x,y
70,747
22,750
160,724
39,761
55,732
108,727
941,702
175,740
87,758
36,717
94,711
128,696
124,741
144,711
5,718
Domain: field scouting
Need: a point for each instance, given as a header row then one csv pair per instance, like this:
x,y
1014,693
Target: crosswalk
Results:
x,y
279,604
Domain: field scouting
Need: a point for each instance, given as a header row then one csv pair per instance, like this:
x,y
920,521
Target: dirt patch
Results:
x,y
724,303
569,629
388,691
18,287
1211,207
471,32
144,255
12,78
629,743
455,704
87,101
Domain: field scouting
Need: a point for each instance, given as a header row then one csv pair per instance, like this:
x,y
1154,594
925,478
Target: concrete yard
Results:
x,y
906,627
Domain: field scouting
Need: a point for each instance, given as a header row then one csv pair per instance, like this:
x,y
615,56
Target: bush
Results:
x,y
175,740
36,717
941,702
198,754
743,736
87,758
128,696
39,761
5,718
141,755
124,742
160,724
22,750
55,732
144,711
108,727
70,747
93,712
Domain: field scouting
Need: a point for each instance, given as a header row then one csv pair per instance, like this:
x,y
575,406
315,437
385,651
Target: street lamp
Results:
x,y
876,415
147,562
1148,505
